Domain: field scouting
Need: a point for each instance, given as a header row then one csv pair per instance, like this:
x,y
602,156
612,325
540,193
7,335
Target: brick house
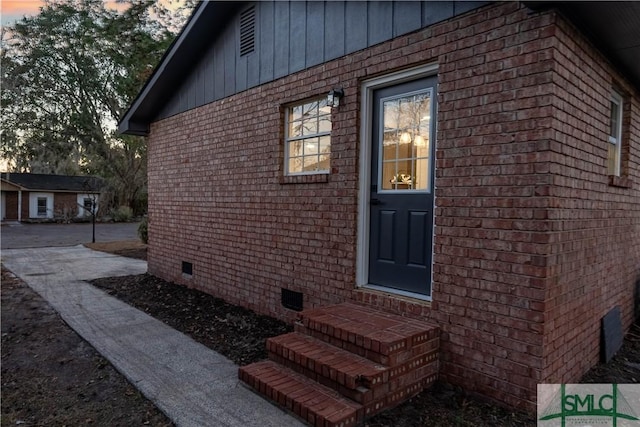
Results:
x,y
477,168
31,197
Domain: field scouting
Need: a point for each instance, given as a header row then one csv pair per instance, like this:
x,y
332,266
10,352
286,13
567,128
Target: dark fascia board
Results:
x,y
206,22
596,20
18,186
54,183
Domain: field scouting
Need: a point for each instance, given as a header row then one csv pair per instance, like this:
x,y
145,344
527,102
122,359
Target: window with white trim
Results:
x,y
308,138
87,205
615,134
42,206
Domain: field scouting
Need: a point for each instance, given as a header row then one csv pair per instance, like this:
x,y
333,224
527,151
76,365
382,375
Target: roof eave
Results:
x,y
133,128
185,50
19,187
594,18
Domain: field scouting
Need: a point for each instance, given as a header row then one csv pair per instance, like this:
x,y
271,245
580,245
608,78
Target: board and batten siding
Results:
x,y
292,36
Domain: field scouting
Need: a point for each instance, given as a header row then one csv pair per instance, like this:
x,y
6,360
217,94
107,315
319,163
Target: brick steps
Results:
x,y
314,403
381,337
318,359
345,363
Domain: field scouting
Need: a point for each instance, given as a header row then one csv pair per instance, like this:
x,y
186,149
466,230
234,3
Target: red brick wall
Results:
x,y
25,205
595,248
65,205
217,199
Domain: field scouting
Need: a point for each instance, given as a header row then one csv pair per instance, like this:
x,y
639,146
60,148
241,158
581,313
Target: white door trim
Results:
x,y
367,88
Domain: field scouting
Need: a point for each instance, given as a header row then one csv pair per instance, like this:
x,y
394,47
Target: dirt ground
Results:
x,y
52,377
67,383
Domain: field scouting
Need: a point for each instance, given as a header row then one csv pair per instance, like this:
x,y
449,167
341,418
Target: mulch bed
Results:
x,y
235,332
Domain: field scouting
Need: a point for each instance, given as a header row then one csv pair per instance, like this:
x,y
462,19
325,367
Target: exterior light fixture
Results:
x,y
333,99
405,138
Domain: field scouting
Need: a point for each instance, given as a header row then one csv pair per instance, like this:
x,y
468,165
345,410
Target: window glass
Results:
x,y
615,135
615,112
308,139
42,206
405,144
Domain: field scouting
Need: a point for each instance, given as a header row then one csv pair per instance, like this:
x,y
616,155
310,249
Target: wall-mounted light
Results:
x,y
333,99
405,138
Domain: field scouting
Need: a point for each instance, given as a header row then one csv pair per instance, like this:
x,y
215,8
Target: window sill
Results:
x,y
305,179
620,181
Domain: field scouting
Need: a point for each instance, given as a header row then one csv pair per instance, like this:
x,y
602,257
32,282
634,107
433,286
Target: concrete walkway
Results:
x,y
191,384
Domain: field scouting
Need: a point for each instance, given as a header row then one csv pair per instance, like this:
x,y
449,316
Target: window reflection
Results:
x,y
405,142
308,140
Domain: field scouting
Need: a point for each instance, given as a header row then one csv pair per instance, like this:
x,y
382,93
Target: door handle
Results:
x,y
376,202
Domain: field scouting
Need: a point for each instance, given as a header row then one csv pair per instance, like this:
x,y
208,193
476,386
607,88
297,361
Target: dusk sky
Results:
x,y
12,10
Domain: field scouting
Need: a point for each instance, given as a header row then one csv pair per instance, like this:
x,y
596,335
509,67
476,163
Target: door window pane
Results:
x,y
405,150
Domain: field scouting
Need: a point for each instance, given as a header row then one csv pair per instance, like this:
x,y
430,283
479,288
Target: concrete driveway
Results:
x,y
48,235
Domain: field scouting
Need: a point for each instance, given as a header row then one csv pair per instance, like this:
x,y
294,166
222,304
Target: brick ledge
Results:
x,y
305,179
620,181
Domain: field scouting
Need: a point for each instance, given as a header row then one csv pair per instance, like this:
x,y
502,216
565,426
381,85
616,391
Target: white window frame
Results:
x,y
82,212
33,205
616,139
38,210
288,140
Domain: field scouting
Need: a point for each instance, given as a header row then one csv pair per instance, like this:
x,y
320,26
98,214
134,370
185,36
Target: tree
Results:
x,y
68,75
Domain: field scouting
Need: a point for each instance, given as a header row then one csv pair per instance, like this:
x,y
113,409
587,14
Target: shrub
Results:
x,y
122,214
143,230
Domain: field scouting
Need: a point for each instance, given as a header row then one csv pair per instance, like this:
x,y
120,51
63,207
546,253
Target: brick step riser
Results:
x,y
402,381
409,335
397,357
305,403
405,387
361,395
393,399
393,379
315,362
295,403
343,367
314,369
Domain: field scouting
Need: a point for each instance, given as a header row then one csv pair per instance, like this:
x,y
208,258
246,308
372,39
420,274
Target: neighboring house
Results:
x,y
40,197
481,171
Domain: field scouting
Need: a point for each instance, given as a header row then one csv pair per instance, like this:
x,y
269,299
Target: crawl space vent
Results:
x,y
187,268
611,334
247,31
291,299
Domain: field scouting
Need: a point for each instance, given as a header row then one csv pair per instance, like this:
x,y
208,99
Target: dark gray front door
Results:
x,y
401,211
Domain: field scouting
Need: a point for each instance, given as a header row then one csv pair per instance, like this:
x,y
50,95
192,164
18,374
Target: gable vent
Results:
x,y
247,31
